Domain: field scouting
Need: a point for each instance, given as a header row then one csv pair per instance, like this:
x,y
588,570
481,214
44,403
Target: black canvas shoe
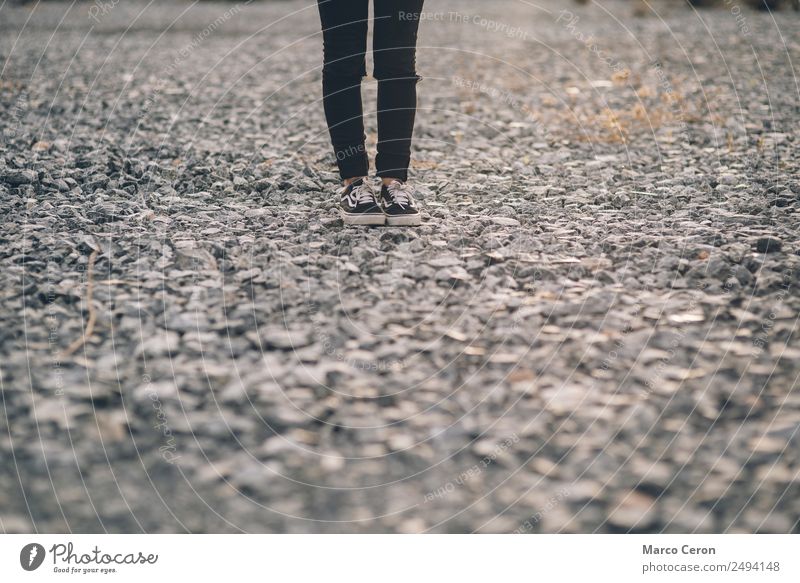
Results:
x,y
399,206
359,206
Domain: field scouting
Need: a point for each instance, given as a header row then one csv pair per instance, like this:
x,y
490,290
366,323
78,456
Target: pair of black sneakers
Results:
x,y
359,204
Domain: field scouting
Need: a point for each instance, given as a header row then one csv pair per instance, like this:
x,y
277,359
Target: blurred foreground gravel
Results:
x,y
595,329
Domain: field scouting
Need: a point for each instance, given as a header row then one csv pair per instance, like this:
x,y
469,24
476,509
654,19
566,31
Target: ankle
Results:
x,y
349,181
388,181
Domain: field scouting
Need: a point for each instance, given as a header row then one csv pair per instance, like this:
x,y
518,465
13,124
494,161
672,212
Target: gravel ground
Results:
x,y
594,330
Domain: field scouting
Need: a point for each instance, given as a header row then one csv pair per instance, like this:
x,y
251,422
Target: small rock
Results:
x,y
156,391
769,245
505,221
19,177
41,146
633,510
278,337
163,342
453,274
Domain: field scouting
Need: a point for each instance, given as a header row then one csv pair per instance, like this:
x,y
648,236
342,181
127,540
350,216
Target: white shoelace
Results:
x,y
401,193
361,194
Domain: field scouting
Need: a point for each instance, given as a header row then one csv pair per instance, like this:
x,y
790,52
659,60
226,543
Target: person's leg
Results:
x,y
344,33
394,47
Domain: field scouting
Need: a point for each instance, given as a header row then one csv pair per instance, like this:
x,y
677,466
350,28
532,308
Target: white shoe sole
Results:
x,y
363,219
404,221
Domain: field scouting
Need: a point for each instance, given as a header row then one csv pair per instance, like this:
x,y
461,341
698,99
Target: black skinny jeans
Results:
x,y
344,31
